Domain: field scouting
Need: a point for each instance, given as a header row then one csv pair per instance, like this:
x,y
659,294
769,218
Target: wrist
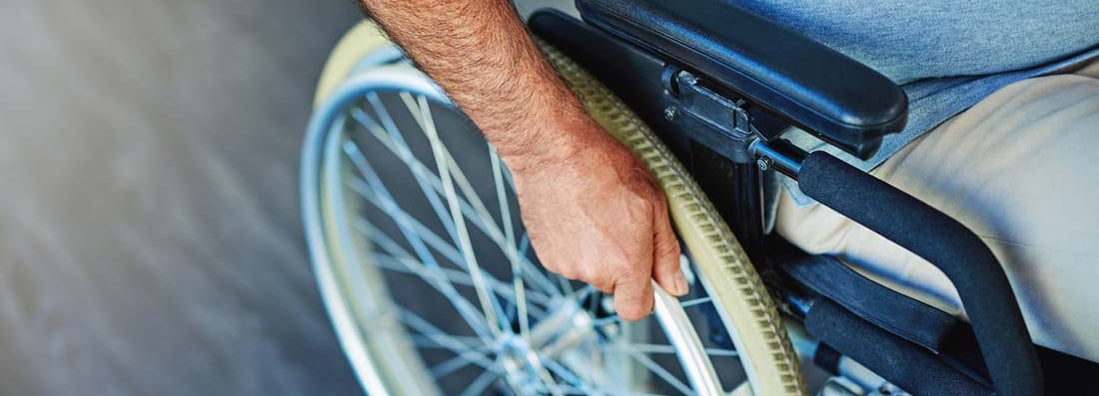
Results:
x,y
551,142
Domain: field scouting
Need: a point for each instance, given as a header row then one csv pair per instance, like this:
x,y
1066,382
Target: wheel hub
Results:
x,y
563,332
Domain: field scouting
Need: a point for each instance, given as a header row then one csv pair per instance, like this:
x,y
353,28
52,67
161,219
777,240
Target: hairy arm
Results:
x,y
590,208
480,52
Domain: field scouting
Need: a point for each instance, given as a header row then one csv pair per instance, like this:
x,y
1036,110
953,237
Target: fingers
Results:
x,y
630,278
633,296
666,269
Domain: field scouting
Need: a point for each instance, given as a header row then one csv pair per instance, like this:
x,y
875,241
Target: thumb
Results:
x,y
666,269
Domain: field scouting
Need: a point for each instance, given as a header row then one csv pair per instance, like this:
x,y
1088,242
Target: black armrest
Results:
x,y
984,289
808,84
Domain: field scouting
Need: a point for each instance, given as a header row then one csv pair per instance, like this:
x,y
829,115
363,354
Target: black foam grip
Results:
x,y
981,283
827,358
914,369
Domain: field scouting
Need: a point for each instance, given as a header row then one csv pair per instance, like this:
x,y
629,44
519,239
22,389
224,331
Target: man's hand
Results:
x,y
594,214
590,208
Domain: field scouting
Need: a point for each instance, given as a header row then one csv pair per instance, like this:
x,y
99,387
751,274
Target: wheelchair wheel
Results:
x,y
433,288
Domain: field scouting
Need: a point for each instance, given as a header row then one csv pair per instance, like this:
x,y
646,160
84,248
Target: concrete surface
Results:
x,y
150,237
150,241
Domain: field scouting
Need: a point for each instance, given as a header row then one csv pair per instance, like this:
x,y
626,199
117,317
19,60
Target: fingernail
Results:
x,y
680,284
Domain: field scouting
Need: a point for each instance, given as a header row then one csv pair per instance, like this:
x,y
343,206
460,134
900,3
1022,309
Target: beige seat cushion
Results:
x,y
1021,169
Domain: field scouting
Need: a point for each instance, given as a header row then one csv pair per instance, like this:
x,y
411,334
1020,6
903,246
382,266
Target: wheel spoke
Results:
x,y
454,364
414,239
422,172
445,161
585,291
418,107
668,349
511,251
543,375
491,307
535,275
571,378
411,266
459,177
401,150
479,384
425,342
433,240
566,286
407,264
606,321
445,340
578,387
429,237
661,372
524,245
697,301
592,362
464,307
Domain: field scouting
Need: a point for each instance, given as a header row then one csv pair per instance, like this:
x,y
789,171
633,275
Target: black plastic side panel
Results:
x,y
636,77
810,85
895,312
912,368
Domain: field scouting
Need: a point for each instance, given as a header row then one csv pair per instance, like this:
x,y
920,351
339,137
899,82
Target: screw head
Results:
x,y
764,163
670,113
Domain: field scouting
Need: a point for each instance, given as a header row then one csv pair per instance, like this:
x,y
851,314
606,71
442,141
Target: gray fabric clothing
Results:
x,y
946,55
1018,170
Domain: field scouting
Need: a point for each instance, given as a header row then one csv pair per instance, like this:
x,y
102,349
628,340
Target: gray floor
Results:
x,y
150,241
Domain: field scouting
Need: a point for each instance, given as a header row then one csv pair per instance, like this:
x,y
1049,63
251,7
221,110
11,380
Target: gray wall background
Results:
x,y
150,242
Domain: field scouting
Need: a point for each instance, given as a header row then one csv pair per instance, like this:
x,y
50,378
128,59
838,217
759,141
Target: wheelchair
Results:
x,y
433,288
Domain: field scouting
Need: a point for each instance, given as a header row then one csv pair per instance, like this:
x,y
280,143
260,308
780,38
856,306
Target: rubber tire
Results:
x,y
727,274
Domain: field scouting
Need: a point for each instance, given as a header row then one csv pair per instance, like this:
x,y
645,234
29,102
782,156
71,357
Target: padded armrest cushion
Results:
x,y
812,86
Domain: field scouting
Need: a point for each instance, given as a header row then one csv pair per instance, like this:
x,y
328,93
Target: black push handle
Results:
x,y
981,283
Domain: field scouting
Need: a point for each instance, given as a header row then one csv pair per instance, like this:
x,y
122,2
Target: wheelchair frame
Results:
x,y
729,141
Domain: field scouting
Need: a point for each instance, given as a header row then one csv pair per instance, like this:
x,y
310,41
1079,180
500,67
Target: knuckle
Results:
x,y
629,274
639,203
616,261
565,271
645,204
670,250
599,278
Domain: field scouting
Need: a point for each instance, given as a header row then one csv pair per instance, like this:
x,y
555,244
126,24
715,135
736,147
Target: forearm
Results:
x,y
481,54
589,207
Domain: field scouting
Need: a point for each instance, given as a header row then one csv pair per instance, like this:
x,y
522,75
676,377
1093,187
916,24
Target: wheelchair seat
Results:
x,y
755,65
808,84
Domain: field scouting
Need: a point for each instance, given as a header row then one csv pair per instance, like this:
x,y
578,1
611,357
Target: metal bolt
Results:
x,y
670,113
764,163
887,389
